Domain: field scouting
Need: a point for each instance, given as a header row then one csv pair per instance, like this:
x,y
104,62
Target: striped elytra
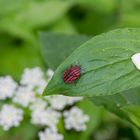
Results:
x,y
71,74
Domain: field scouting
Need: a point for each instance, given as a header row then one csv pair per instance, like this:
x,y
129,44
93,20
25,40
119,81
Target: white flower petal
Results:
x,y
45,117
75,119
50,134
7,87
32,76
10,116
24,96
136,60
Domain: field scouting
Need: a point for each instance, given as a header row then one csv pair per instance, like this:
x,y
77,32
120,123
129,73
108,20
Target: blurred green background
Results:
x,y
21,21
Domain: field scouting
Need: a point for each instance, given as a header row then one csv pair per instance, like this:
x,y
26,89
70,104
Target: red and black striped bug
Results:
x,y
71,74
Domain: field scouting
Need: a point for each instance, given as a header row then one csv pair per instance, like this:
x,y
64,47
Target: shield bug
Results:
x,y
71,74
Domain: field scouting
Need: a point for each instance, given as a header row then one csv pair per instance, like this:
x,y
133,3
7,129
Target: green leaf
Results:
x,y
60,45
111,102
43,13
133,113
120,105
106,66
23,18
106,58
132,96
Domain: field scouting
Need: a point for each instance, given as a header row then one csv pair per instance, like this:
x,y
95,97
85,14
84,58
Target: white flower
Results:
x,y
45,111
24,96
38,104
7,87
136,60
75,119
10,116
32,77
41,86
50,134
59,101
48,117
50,73
72,100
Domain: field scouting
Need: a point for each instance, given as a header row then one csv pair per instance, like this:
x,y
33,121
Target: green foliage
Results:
x,y
95,117
28,15
19,47
13,57
109,74
106,69
106,66
62,46
133,113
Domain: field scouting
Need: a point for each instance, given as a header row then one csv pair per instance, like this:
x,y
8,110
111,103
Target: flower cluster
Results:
x,y
59,102
75,119
10,116
48,117
7,87
50,134
45,111
24,96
